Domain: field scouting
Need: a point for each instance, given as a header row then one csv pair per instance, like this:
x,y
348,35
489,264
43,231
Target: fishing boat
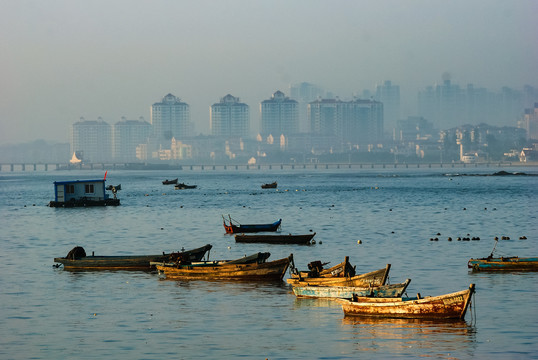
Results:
x,y
347,292
512,263
238,228
449,306
342,274
272,185
503,263
170,182
182,186
276,239
260,270
76,259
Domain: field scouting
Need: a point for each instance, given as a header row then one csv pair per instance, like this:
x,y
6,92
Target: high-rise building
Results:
x,y
530,122
389,95
127,135
280,115
170,119
91,140
229,118
356,122
305,93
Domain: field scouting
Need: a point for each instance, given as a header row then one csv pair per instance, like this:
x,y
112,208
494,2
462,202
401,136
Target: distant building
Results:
x,y
352,123
229,118
170,118
92,139
530,122
279,116
389,95
127,136
413,128
305,93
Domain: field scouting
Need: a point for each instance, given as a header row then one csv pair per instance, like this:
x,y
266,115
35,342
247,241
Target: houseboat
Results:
x,y
80,193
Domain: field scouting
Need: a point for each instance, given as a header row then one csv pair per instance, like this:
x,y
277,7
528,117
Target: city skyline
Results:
x,y
65,60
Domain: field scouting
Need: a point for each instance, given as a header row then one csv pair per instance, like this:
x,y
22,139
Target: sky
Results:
x,y
61,60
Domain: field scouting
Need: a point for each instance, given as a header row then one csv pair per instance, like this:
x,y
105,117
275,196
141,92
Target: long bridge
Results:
x,y
25,167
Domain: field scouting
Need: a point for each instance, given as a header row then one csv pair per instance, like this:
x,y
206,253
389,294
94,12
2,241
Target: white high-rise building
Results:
x,y
229,118
279,115
389,95
91,140
170,119
127,135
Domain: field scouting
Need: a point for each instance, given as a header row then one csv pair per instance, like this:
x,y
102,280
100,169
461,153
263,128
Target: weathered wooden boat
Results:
x,y
512,263
237,228
347,292
183,186
272,185
260,270
76,259
344,278
170,182
276,239
449,306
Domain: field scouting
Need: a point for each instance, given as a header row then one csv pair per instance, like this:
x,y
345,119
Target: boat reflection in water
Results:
x,y
430,338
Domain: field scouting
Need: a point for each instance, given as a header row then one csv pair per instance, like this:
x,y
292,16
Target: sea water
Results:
x,y
374,216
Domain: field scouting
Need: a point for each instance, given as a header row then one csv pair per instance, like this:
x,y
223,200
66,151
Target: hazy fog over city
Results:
x,y
62,59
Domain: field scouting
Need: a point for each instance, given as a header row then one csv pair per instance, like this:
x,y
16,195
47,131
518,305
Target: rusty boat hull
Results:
x,y
449,306
228,270
347,292
373,278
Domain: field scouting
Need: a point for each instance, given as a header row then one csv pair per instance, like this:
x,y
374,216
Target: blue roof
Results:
x,y
78,181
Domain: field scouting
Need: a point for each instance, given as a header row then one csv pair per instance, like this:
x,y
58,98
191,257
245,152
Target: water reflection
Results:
x,y
438,338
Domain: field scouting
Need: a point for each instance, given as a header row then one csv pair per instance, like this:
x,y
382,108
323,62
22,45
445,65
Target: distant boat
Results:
x,y
182,186
347,292
270,186
232,228
259,270
170,182
449,306
503,263
275,239
77,259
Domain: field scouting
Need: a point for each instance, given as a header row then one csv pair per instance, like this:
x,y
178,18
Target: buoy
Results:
x,y
449,239
438,234
320,242
359,241
229,247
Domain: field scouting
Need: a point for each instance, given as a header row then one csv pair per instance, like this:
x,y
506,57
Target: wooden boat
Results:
x,y
76,259
503,263
170,182
512,263
182,186
275,239
228,270
344,278
270,186
347,292
232,228
449,306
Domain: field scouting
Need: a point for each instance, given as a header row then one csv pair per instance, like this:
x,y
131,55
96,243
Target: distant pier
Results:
x,y
27,167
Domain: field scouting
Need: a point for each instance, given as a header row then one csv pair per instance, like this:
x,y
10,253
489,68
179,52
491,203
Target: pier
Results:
x,y
27,167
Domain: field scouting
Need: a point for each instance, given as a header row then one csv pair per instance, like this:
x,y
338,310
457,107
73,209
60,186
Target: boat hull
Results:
x,y
266,271
128,262
504,264
251,228
449,306
373,278
347,292
276,239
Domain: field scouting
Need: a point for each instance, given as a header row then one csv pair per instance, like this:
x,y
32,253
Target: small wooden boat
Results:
x,y
344,278
503,263
232,228
276,239
182,186
347,292
170,182
270,186
449,306
512,263
228,270
76,259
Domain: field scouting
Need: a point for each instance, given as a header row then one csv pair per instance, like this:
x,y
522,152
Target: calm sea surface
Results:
x,y
50,313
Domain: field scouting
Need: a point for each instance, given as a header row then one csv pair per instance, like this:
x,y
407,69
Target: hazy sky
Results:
x,y
63,59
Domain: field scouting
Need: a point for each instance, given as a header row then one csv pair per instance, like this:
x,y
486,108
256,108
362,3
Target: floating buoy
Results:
x,y
459,239
464,208
438,234
359,241
162,228
229,247
449,238
320,242
522,238
496,238
313,241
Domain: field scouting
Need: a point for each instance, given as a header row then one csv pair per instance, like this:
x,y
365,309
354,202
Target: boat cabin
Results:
x,y
80,193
